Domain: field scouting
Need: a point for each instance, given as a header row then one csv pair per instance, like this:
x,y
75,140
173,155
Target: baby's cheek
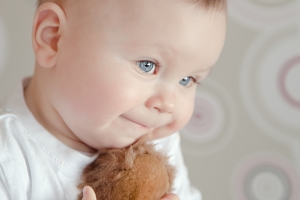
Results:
x,y
184,112
180,119
187,116
167,130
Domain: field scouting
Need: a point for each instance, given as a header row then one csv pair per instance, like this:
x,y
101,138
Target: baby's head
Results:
x,y
109,71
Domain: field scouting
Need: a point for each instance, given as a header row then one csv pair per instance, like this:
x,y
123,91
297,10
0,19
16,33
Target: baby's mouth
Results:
x,y
136,123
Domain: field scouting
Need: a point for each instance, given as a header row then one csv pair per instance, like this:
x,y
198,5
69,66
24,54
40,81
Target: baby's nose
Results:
x,y
163,101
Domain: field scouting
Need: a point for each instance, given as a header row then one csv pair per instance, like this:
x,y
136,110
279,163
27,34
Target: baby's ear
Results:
x,y
46,33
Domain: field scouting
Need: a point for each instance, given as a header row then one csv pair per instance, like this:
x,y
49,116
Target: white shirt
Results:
x,y
34,165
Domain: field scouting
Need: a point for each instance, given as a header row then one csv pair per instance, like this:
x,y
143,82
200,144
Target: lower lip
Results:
x,y
144,127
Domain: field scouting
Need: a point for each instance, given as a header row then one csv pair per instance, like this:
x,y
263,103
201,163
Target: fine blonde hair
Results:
x,y
210,4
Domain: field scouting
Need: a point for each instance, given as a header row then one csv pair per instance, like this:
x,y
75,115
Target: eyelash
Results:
x,y
195,81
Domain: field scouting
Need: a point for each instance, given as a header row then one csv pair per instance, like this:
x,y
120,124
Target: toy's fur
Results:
x,y
137,172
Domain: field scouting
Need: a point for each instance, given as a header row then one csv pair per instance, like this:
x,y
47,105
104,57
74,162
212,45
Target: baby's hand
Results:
x,y
88,193
170,197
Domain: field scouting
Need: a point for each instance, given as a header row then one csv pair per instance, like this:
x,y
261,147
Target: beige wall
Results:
x,y
243,141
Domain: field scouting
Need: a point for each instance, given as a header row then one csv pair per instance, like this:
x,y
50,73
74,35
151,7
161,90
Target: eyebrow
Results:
x,y
207,69
163,52
166,54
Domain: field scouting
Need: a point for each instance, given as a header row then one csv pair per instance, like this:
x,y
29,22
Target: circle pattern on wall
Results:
x,y
213,121
289,81
265,177
258,14
3,44
269,83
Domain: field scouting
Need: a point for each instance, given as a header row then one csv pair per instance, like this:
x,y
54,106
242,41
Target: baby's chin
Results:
x,y
160,133
121,143
130,141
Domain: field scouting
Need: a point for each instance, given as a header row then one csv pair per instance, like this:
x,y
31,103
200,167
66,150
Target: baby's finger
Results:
x,y
88,193
170,196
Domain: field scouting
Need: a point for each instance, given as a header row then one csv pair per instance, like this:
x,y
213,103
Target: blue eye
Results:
x,y
147,66
185,81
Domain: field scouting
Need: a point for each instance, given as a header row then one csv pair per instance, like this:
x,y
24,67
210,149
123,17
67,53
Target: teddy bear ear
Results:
x,y
142,140
129,158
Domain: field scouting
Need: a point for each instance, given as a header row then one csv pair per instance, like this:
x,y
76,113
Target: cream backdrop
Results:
x,y
243,141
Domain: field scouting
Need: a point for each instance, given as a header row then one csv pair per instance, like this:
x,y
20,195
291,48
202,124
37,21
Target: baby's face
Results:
x,y
127,68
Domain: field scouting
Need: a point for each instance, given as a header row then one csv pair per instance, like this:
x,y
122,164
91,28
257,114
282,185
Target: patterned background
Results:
x,y
243,141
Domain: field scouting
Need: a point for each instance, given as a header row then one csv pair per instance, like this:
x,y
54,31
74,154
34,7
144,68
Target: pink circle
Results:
x,y
282,80
255,161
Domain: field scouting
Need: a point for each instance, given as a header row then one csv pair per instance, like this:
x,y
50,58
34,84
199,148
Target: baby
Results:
x,y
106,73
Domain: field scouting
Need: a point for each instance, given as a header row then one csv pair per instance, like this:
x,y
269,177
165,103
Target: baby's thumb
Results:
x,y
170,196
88,193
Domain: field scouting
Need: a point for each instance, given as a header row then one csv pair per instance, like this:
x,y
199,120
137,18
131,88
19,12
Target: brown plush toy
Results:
x,y
137,172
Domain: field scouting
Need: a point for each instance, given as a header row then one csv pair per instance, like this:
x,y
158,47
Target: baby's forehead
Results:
x,y
157,29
